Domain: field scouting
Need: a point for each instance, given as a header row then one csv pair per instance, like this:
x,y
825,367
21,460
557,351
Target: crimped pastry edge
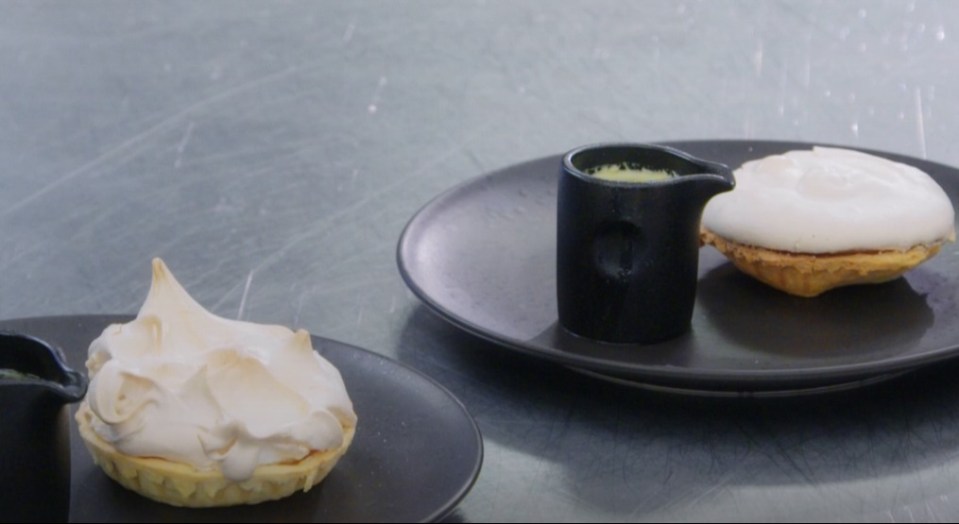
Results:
x,y
811,274
180,484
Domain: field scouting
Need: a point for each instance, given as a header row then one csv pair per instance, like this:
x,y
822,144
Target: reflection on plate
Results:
x,y
482,256
741,393
416,454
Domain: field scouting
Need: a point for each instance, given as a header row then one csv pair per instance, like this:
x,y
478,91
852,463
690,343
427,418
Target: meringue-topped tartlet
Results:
x,y
805,222
192,409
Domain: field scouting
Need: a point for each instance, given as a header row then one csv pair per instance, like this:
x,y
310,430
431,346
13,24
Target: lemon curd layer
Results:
x,y
12,374
629,173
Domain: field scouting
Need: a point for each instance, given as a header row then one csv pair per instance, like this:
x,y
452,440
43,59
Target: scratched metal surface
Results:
x,y
272,153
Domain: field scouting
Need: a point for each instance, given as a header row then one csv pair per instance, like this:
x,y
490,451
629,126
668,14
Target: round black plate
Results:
x,y
482,256
416,452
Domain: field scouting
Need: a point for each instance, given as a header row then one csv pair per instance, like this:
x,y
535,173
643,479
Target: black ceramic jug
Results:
x,y
628,251
35,387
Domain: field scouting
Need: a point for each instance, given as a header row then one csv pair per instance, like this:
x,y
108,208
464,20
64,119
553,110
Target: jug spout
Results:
x,y
30,363
707,185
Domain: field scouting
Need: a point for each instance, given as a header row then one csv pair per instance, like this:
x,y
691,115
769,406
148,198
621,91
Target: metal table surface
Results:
x,y
271,153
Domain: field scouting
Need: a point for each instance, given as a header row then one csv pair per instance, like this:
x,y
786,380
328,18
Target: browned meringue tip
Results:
x,y
160,270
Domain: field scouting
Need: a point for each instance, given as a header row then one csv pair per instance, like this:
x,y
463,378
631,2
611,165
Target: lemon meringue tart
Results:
x,y
805,222
195,410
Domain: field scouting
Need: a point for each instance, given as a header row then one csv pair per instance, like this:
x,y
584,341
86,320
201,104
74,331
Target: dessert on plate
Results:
x,y
806,222
192,409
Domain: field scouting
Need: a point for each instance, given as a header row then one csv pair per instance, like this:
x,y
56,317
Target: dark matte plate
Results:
x,y
482,256
416,452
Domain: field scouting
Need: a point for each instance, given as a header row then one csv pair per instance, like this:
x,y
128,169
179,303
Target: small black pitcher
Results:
x,y
35,387
628,251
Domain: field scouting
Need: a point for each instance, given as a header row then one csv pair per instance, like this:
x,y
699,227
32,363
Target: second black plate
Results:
x,y
482,256
416,453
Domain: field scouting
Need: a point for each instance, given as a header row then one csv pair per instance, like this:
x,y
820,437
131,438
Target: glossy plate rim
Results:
x,y
666,378
440,511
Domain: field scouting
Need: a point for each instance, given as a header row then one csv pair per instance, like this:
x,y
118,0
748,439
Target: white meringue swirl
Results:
x,y
831,200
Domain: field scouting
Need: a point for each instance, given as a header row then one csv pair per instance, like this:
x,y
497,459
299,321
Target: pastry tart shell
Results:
x,y
811,274
180,484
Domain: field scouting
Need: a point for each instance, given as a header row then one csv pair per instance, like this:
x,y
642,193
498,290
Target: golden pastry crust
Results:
x,y
180,484
810,274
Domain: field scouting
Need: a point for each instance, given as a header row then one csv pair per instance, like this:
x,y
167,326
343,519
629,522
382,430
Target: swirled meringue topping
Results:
x,y
831,200
182,384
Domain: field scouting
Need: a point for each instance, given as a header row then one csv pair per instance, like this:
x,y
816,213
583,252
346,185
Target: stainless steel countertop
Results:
x,y
271,153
